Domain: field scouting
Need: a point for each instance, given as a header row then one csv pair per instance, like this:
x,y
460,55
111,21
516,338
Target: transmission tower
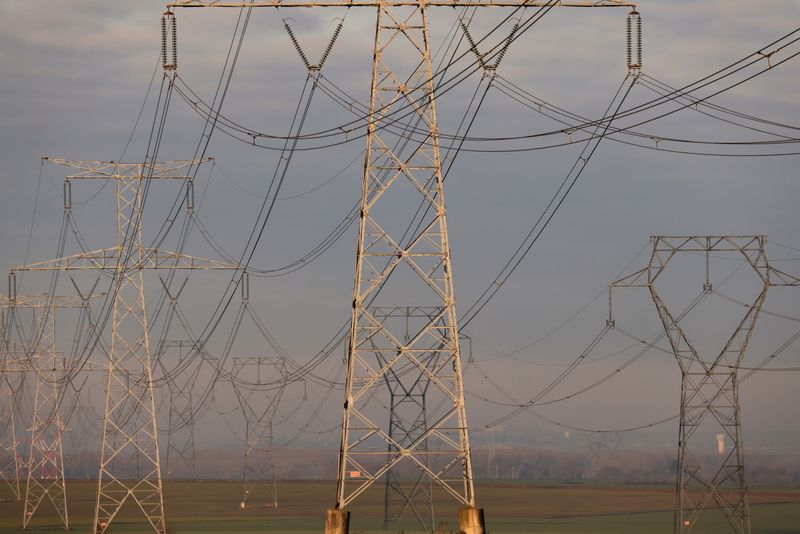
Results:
x,y
408,419
402,79
45,464
709,386
10,461
181,449
258,468
130,433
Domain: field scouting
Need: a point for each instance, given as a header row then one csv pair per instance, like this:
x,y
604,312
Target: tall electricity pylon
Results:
x,y
181,449
258,467
130,434
408,419
402,84
45,471
709,386
41,360
10,461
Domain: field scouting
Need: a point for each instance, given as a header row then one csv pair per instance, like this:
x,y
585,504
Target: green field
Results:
x,y
212,508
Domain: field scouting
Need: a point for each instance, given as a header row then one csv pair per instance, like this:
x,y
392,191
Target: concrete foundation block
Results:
x,y
337,521
471,521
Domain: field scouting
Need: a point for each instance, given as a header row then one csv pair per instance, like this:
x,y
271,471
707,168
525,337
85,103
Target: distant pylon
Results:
x,y
130,465
407,494
258,469
709,387
46,480
9,446
9,457
181,453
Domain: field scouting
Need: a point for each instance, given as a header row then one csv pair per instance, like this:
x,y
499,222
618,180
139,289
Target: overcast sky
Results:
x,y
74,77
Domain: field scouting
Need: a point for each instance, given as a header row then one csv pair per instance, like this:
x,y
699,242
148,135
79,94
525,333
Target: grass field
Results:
x,y
212,508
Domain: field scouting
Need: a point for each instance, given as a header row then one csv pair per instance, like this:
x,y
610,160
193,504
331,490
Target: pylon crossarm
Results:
x,y
780,278
639,278
107,259
404,3
711,243
104,170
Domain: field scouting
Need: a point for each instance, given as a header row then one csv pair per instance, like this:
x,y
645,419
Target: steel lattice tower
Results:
x,y
46,459
180,453
709,386
402,178
180,433
258,467
130,435
45,480
10,462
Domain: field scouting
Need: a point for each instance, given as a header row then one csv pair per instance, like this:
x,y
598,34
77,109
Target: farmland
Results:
x,y
211,507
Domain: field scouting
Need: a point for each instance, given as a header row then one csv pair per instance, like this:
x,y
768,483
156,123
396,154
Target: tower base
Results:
x,y
337,521
471,521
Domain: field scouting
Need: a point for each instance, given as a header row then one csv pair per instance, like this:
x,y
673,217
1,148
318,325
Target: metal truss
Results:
x,y
401,76
10,459
181,449
45,464
407,420
709,387
9,454
130,467
180,456
258,468
46,479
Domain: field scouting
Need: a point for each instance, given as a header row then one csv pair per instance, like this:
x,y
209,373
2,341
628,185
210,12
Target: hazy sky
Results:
x,y
73,78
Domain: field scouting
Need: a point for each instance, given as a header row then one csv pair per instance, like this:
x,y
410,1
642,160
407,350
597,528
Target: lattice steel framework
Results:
x,y
11,460
258,466
180,455
46,458
709,387
402,81
407,420
45,464
130,436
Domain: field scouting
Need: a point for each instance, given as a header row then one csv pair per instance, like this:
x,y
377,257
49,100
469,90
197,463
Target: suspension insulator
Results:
x,y
169,58
164,59
639,41
472,44
628,40
330,45
633,33
174,43
508,42
296,45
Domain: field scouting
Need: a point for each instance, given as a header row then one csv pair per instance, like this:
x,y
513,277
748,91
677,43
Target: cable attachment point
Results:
x,y
633,31
169,35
